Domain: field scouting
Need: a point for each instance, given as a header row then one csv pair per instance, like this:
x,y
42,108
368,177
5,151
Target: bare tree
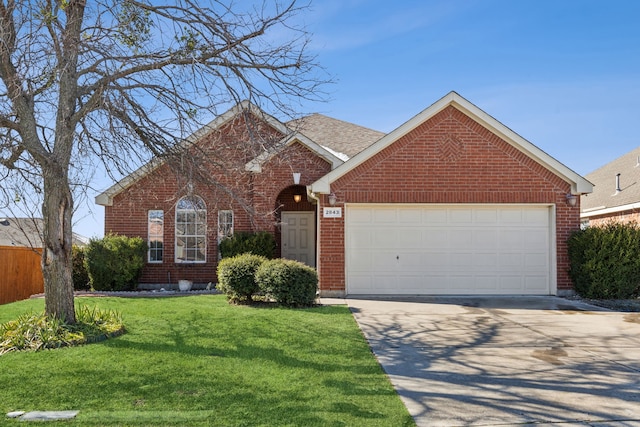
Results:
x,y
123,81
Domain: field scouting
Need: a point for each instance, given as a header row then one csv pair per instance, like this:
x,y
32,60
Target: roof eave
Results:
x,y
610,210
579,185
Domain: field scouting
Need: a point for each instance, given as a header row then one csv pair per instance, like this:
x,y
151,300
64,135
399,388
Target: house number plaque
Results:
x,y
332,212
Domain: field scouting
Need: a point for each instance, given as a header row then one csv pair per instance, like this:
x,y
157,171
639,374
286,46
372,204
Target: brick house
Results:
x,y
616,192
450,202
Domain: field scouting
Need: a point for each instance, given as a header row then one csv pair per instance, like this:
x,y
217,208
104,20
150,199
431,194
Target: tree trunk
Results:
x,y
57,210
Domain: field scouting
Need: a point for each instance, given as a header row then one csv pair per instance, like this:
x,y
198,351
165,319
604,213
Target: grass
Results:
x,y
198,361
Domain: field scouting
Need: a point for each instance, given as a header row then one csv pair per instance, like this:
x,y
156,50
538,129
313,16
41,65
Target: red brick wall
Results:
x,y
253,199
624,217
448,159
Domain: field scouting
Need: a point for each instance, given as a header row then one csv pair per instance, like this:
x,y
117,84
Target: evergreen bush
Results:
x,y
288,282
80,274
236,276
605,261
261,243
114,263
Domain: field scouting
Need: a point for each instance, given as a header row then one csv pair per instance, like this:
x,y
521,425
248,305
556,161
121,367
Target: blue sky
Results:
x,y
563,74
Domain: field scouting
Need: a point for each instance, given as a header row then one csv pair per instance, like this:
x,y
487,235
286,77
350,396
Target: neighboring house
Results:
x,y
616,192
20,255
451,202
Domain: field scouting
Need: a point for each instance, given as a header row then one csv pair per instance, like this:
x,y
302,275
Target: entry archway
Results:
x,y
296,231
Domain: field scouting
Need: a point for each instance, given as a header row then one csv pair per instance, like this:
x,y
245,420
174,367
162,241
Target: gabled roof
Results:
x,y
333,140
579,185
337,135
106,197
331,157
605,199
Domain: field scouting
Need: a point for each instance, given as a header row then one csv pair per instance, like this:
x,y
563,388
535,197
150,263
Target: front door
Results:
x,y
298,237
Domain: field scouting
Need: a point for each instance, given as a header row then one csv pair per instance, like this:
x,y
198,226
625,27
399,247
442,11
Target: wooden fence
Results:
x,y
20,273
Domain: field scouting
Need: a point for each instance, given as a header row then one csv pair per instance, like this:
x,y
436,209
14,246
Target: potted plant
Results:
x,y
184,285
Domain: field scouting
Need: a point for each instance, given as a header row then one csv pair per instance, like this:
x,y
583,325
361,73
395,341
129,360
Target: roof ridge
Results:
x,y
337,120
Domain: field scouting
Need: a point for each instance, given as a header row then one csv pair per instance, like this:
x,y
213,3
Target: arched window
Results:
x,y
191,230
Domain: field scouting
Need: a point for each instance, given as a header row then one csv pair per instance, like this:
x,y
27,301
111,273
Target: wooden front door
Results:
x,y
298,237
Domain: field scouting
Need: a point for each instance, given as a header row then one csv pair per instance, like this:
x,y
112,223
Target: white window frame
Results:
x,y
155,235
225,227
193,229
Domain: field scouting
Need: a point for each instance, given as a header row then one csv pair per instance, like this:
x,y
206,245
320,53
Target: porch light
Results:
x,y
296,179
571,200
297,198
333,199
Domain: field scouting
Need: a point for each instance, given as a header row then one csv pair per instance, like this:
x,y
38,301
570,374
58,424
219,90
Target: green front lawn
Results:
x,y
199,361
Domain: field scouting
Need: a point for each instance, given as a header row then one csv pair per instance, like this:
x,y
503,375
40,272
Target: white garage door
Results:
x,y
448,249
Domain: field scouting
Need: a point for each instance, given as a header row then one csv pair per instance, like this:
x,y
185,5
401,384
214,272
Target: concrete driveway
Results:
x,y
507,361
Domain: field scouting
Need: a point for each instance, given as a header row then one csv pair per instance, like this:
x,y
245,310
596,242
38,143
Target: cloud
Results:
x,y
351,25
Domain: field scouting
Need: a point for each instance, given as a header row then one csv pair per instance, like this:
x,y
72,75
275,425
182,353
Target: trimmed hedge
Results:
x,y
605,261
236,276
261,243
115,262
288,282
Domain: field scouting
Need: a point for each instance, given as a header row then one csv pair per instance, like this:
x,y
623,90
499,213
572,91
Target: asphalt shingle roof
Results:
x,y
27,232
339,136
604,179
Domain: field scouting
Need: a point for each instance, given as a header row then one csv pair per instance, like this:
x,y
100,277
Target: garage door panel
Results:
x,y
538,261
384,236
382,216
535,284
511,239
434,216
458,259
513,284
410,261
460,216
440,238
384,262
511,216
537,218
425,249
434,260
486,216
485,239
536,239
485,261
410,238
361,261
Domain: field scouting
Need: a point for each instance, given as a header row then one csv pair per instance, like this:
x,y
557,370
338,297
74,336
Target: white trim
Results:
x,y
579,185
588,213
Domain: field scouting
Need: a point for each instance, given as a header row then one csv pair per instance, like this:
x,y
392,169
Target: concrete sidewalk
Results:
x,y
507,361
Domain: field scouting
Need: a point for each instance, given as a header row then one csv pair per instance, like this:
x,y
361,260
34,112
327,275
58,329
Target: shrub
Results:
x,y
80,273
261,243
115,262
236,276
605,261
33,332
288,282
